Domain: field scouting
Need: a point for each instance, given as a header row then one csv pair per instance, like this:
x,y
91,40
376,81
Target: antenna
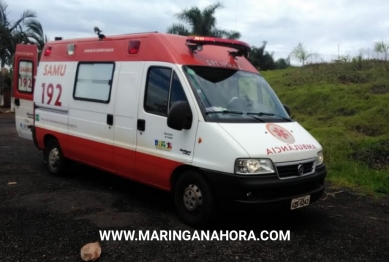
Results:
x,y
98,32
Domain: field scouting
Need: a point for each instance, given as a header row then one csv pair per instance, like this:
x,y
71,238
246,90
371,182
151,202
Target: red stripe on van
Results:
x,y
145,168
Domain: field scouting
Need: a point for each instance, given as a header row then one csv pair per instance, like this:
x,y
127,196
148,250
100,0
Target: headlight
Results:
x,y
254,166
319,158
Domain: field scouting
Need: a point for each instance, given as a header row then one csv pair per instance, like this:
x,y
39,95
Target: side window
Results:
x,y
157,91
25,76
176,92
94,82
162,90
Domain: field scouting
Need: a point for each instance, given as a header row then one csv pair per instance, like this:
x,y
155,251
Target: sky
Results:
x,y
328,28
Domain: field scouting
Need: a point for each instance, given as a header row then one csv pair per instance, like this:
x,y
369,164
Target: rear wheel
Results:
x,y
194,200
54,158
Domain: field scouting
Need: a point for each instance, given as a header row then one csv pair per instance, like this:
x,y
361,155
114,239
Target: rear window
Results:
x,y
25,76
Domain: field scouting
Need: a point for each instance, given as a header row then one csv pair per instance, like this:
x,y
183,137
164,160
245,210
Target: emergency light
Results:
x,y
133,47
71,48
196,43
47,51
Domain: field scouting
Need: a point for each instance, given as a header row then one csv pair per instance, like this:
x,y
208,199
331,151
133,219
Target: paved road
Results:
x,y
47,218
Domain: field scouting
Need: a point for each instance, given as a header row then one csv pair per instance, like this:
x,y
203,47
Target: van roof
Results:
x,y
153,46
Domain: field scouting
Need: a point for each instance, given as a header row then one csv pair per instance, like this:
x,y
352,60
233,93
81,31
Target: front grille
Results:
x,y
289,170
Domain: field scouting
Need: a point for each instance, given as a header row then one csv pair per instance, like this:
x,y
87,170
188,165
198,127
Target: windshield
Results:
x,y
228,95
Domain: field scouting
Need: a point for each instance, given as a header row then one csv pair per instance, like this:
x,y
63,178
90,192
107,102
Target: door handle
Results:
x,y
17,102
141,125
110,119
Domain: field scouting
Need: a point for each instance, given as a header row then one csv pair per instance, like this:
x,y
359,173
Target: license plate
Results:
x,y
300,202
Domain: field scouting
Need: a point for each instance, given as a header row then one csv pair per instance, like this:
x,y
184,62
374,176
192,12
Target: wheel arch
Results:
x,y
178,171
203,204
49,137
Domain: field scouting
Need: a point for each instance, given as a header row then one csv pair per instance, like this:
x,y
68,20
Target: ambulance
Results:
x,y
188,115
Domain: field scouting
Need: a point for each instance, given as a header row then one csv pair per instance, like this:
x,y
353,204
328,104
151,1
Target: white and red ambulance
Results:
x,y
188,115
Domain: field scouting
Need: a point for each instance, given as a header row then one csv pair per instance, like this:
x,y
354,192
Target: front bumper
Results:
x,y
265,190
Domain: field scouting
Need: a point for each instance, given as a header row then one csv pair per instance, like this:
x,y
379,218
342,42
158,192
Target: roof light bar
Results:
x,y
195,43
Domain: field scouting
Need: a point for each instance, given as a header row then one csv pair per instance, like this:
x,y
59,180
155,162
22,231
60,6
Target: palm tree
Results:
x,y
35,33
202,23
24,30
260,58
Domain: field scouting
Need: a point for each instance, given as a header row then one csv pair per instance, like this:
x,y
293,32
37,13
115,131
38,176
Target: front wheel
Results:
x,y
193,199
54,158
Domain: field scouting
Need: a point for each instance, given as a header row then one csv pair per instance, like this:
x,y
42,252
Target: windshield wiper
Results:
x,y
268,114
224,112
232,112
255,117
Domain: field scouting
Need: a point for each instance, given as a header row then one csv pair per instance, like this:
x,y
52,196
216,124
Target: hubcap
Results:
x,y
192,197
54,158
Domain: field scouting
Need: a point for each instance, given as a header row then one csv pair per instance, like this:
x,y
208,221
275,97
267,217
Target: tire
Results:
x,y
193,199
55,160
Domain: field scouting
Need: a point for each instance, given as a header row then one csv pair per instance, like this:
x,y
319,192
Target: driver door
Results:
x,y
159,148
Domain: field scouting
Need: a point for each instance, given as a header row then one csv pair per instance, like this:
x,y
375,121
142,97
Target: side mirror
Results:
x,y
287,109
180,116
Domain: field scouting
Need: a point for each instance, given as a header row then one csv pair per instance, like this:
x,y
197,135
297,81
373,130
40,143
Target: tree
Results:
x,y
382,47
260,58
282,63
36,34
24,30
300,53
203,23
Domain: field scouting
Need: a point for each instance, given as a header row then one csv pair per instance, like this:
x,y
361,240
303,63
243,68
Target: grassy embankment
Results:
x,y
346,107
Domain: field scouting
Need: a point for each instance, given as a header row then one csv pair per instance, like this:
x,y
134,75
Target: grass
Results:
x,y
346,107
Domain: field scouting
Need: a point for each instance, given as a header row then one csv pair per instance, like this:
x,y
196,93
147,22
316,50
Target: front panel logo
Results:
x,y
280,133
300,169
163,145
